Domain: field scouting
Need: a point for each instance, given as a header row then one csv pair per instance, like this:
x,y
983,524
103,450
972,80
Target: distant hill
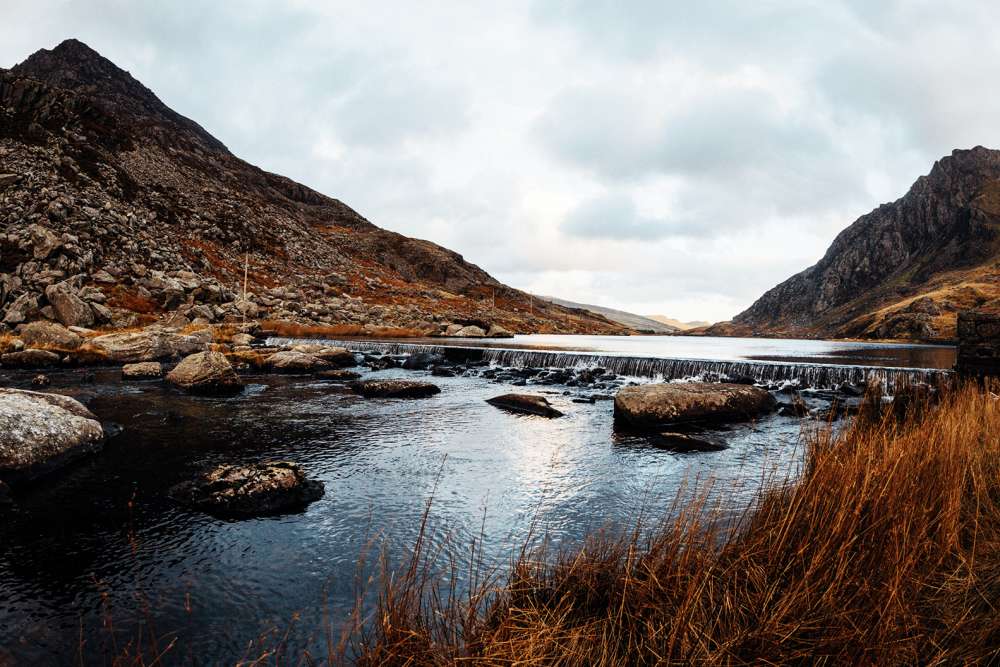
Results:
x,y
631,320
902,271
677,324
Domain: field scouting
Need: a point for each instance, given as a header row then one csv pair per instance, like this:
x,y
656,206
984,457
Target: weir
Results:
x,y
819,376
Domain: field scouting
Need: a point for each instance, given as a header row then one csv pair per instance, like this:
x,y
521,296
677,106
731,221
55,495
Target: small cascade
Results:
x,y
818,376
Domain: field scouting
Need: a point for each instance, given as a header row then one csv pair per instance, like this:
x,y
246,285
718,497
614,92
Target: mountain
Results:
x,y
108,195
902,271
630,320
677,324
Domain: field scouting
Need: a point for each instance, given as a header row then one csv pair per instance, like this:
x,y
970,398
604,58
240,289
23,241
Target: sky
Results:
x,y
675,158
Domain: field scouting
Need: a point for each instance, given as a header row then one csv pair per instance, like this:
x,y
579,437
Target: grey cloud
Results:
x,y
615,217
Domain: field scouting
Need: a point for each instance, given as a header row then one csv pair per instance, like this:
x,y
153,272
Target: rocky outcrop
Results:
x,y
249,490
205,373
394,389
40,432
146,370
528,404
650,406
902,271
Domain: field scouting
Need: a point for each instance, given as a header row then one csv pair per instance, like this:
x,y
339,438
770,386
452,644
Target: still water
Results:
x,y
99,551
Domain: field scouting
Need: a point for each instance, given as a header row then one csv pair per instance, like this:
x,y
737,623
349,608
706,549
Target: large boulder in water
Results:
x,y
40,432
206,373
249,490
651,405
529,404
293,361
145,370
30,359
394,389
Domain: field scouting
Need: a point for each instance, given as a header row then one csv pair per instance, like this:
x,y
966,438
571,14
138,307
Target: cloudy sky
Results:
x,y
656,156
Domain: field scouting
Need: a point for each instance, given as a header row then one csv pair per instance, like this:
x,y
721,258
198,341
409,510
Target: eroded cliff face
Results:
x,y
902,271
138,212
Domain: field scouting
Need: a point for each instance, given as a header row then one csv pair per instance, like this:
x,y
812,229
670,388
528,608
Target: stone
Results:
x,y
339,356
652,405
529,404
339,375
69,308
43,241
293,361
497,331
421,361
146,370
242,339
249,490
40,381
30,359
40,432
148,345
394,389
683,442
205,373
49,335
471,331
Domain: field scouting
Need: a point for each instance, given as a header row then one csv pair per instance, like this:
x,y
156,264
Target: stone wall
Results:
x,y
979,344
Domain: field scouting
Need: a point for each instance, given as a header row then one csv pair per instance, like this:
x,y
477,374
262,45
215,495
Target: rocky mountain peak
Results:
x,y
74,66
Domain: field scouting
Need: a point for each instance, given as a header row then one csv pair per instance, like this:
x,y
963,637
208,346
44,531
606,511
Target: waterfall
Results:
x,y
819,376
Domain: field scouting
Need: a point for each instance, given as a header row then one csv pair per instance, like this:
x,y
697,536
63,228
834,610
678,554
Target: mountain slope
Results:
x,y
901,271
631,320
677,324
142,212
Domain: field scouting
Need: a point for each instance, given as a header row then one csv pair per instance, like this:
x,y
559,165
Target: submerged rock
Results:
x,y
206,373
40,432
146,370
249,490
683,442
30,359
339,375
651,405
395,389
529,404
294,361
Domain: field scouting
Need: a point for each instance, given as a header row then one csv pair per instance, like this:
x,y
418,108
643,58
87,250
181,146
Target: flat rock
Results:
x,y
338,356
40,432
471,331
529,404
339,375
147,345
49,335
651,405
249,490
395,389
30,359
145,370
294,361
205,373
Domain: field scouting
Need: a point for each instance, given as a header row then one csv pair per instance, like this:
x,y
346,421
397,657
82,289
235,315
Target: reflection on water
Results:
x,y
105,527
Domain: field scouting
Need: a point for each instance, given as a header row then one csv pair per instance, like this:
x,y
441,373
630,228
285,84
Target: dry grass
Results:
x,y
296,330
885,551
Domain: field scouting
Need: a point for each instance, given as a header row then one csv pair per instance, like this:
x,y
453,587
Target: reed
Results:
x,y
886,550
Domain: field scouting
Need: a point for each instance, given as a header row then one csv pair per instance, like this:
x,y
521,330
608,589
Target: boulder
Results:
x,y
421,361
205,373
339,375
40,432
146,370
43,241
69,308
651,405
242,339
293,361
471,331
394,389
529,404
148,345
497,331
339,356
49,335
249,490
30,359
